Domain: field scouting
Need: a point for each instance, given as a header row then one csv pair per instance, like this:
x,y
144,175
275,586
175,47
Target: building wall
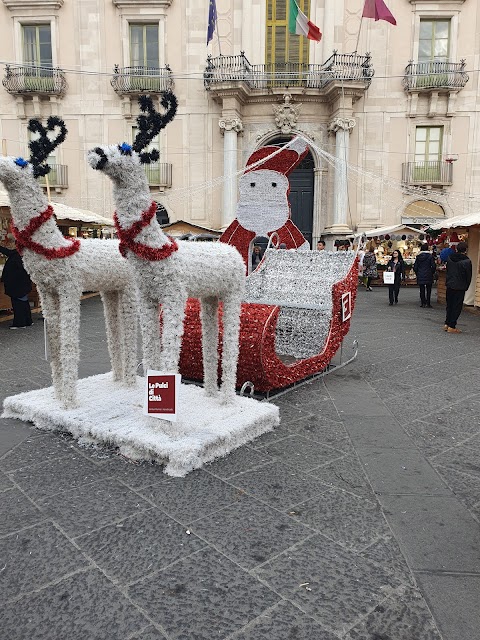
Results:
x,y
92,35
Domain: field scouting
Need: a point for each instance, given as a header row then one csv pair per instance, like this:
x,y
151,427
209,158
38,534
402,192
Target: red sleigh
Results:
x,y
269,324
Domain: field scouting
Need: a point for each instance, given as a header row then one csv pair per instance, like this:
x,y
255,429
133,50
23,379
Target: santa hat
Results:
x,y
283,162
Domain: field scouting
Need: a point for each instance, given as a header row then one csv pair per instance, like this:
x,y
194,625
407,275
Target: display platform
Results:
x,y
112,415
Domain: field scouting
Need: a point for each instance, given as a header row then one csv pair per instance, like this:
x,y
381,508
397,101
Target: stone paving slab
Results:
x,y
454,599
251,566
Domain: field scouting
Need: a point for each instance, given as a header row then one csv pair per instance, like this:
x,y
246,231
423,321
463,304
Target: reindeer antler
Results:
x,y
41,148
151,124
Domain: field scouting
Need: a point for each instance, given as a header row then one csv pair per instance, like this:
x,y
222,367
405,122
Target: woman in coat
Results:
x,y
370,265
396,265
17,285
424,268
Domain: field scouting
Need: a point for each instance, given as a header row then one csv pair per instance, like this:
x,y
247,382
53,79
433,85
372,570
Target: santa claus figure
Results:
x,y
263,207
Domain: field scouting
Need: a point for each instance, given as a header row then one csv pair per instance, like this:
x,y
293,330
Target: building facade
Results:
x,y
404,114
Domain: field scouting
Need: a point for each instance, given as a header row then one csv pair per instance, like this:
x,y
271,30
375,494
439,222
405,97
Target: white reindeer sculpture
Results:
x,y
63,268
168,272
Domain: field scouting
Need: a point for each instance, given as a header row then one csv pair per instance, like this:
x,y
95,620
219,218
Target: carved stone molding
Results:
x,y
286,115
346,124
230,124
41,5
141,4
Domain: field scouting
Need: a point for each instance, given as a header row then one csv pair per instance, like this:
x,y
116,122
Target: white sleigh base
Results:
x,y
112,415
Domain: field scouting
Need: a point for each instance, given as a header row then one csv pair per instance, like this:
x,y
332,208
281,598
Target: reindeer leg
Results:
x,y
150,328
128,324
231,330
51,313
69,335
172,331
115,340
209,318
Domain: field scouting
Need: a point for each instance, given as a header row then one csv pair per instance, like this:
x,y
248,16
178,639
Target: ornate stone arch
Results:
x,y
436,198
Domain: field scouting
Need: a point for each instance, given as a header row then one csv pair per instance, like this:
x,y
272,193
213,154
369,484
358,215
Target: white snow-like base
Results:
x,y
110,414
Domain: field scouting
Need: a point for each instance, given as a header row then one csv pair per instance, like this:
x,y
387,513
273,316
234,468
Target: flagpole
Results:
x,y
358,36
218,36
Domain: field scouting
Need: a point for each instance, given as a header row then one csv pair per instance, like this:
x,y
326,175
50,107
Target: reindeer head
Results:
x,y
17,172
121,162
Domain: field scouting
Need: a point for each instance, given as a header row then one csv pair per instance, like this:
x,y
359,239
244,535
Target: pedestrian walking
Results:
x,y
425,268
370,266
459,276
396,265
17,285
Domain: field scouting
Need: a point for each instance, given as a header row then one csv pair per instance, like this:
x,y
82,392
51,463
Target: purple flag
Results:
x,y
212,20
377,9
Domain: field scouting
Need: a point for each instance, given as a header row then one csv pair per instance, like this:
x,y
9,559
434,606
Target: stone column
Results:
x,y
230,128
341,127
318,212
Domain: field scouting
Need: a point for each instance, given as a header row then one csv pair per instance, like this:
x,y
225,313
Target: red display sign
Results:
x,y
346,306
162,395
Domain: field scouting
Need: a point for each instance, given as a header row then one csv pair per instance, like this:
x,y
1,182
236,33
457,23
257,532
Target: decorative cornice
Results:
x,y
51,5
231,124
345,124
141,4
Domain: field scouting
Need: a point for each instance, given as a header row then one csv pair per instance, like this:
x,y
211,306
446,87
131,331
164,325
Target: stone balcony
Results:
x,y
159,174
57,177
434,173
135,80
236,73
435,76
24,80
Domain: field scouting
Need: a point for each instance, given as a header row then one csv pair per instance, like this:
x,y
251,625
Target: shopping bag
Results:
x,y
388,277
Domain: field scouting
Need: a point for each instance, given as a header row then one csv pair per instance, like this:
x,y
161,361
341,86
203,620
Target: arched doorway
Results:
x,y
301,192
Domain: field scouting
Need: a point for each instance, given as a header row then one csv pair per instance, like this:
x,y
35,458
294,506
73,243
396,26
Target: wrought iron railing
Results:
x,y
435,75
159,174
57,176
345,67
24,78
431,172
142,79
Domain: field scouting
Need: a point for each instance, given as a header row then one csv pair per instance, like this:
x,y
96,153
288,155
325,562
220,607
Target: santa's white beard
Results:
x,y
262,218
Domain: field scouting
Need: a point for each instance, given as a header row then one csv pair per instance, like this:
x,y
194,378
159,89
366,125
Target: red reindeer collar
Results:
x,y
127,238
24,238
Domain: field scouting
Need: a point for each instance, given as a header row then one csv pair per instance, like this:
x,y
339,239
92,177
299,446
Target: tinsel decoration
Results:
x,y
127,238
24,238
150,123
40,149
259,361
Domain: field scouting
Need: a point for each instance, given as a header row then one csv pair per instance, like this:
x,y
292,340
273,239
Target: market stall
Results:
x,y
401,237
71,221
454,230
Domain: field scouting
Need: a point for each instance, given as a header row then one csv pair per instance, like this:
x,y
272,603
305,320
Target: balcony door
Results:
x,y
285,53
433,52
428,154
144,46
37,57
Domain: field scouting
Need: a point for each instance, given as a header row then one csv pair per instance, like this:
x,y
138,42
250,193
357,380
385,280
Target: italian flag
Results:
x,y
299,23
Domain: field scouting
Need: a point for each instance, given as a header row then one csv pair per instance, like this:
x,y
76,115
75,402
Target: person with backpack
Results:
x,y
425,268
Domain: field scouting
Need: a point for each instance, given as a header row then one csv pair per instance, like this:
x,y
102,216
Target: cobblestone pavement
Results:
x,y
356,519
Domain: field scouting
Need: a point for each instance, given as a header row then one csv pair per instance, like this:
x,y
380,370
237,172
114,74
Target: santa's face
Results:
x,y
263,205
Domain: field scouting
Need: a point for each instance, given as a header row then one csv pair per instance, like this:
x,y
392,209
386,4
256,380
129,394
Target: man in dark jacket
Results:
x,y
424,268
17,285
459,276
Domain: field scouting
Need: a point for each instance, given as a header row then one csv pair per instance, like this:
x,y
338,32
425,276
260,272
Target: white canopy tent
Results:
x,y
64,212
458,221
381,231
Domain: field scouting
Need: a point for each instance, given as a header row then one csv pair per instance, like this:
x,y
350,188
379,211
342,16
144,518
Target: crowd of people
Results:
x,y
458,276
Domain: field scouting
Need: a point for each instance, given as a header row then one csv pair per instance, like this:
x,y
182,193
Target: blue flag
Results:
x,y
212,20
